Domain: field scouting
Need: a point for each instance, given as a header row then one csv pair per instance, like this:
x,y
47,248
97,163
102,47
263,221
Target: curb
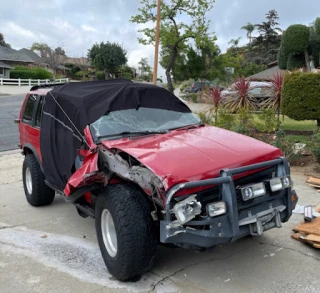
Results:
x,y
10,152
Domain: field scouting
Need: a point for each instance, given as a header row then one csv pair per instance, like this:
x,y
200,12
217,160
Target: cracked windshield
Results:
x,y
143,119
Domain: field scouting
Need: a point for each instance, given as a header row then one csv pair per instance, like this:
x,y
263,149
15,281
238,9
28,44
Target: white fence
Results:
x,y
30,82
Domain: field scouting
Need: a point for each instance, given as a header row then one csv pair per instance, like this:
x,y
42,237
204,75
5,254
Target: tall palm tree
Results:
x,y
235,43
249,27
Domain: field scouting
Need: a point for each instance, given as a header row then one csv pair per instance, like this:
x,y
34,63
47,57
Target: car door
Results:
x,y
30,132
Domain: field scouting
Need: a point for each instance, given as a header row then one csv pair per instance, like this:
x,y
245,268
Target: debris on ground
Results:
x,y
308,232
314,182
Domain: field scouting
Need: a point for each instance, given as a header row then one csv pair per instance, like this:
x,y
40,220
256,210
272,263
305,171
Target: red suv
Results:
x,y
135,158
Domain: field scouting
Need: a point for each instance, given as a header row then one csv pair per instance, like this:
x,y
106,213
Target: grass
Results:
x,y
290,124
298,139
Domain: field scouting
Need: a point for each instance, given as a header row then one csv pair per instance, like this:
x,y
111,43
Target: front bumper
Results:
x,y
254,219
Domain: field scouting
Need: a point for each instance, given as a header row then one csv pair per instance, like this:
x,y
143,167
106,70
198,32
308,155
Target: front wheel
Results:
x,y
125,231
35,189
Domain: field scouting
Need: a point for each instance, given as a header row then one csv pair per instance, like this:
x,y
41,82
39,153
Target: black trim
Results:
x,y
33,150
73,197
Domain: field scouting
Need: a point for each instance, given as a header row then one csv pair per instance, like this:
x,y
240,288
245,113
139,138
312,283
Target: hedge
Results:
x,y
33,73
100,75
296,61
301,96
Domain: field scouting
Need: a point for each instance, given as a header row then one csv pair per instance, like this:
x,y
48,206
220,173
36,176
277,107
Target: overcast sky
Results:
x,y
78,24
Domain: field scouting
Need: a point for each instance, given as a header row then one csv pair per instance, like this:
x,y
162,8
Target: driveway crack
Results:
x,y
287,248
154,286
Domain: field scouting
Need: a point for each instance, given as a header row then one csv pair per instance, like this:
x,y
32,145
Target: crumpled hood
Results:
x,y
194,154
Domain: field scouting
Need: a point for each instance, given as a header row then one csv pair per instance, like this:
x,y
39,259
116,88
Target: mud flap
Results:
x,y
263,221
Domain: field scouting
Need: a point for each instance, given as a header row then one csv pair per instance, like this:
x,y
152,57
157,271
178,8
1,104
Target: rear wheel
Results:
x,y
125,231
35,189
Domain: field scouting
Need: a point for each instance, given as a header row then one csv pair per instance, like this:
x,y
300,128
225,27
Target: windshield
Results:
x,y
141,120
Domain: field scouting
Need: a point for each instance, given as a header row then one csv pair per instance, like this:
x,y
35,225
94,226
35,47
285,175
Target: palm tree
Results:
x,y
235,43
249,27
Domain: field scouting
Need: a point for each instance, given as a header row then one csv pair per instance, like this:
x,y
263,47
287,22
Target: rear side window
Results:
x,y
28,110
39,112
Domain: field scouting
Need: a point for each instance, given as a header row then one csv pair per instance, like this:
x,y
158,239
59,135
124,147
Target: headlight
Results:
x,y
216,208
253,191
187,209
280,183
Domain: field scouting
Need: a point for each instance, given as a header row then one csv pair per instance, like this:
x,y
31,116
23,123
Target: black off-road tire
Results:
x,y
41,194
135,231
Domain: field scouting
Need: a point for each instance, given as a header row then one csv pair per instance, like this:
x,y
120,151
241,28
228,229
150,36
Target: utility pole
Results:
x,y
156,48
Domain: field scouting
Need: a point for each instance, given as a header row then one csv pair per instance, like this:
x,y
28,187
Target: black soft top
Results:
x,y
69,108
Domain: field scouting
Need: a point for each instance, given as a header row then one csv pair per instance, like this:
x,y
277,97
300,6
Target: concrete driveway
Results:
x,y
52,249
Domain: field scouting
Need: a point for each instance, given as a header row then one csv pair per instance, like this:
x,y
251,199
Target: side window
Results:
x,y
28,110
39,111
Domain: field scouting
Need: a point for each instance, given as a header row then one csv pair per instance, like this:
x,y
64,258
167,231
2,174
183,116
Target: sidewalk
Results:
x,y
194,107
8,90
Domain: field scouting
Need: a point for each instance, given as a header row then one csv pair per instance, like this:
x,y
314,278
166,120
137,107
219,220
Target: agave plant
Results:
x,y
242,100
277,83
215,95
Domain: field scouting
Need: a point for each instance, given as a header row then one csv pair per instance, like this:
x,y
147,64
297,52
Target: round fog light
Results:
x,y
286,182
248,192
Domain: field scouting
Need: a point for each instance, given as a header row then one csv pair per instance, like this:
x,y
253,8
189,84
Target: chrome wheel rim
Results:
x,y
109,234
28,179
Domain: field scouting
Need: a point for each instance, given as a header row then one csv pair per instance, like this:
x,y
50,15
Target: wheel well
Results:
x,y
27,151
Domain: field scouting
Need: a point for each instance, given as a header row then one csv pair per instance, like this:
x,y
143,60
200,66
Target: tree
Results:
x,y
41,49
49,56
269,30
107,57
144,68
249,27
235,43
2,42
295,41
60,51
174,33
317,26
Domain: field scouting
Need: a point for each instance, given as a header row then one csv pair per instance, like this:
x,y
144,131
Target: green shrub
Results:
x,y
301,96
226,119
268,121
315,149
194,98
282,58
286,146
206,118
33,73
100,75
296,61
80,74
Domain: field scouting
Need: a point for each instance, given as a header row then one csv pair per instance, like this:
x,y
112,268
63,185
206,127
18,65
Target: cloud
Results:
x,y
77,25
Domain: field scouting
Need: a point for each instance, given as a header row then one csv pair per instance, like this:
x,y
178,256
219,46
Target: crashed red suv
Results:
x,y
135,158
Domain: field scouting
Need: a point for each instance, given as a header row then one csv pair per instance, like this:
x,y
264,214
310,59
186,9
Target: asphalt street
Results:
x,y
9,110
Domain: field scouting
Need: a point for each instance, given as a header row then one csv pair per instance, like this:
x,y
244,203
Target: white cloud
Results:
x,y
88,28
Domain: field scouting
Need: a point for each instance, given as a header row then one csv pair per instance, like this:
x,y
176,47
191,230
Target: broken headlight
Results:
x,y
280,183
252,191
187,209
216,208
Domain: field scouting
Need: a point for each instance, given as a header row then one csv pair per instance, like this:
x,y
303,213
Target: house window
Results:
x,y
1,71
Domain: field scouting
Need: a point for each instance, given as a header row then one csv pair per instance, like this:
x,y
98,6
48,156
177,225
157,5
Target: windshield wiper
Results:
x,y
129,133
192,126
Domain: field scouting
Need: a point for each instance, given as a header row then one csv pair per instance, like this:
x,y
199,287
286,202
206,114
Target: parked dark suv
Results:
x,y
199,85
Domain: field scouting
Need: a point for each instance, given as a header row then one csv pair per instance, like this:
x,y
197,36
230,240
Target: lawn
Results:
x,y
290,124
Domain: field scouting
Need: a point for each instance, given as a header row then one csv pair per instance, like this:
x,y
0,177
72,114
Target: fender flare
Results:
x,y
34,152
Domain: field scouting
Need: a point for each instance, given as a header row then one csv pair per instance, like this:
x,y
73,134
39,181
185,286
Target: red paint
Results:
x,y
195,154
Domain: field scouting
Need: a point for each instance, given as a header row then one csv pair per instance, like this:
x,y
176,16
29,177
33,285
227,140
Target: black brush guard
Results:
x,y
264,214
